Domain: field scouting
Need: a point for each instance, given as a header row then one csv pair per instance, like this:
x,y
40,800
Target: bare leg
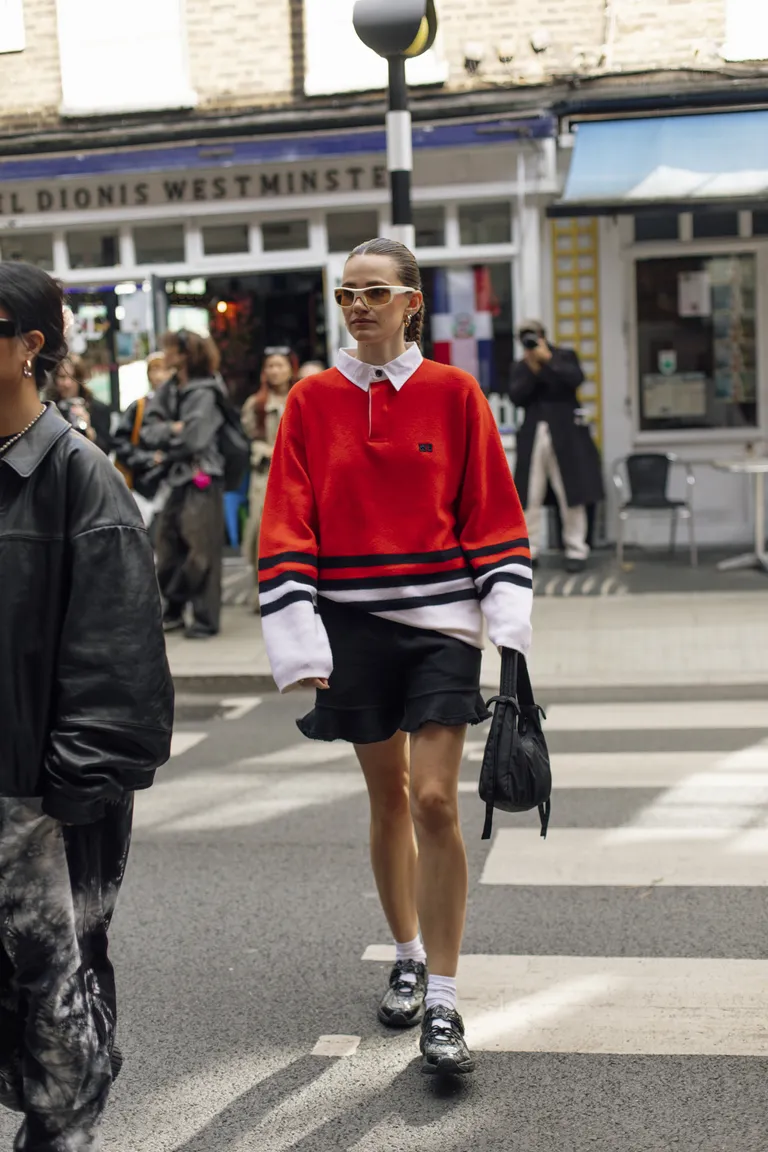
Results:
x,y
441,879
393,848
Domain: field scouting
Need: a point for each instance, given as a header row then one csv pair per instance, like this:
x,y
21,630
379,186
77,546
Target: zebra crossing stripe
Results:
x,y
666,715
182,742
595,1004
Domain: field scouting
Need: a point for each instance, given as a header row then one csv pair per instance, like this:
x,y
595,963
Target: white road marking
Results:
x,y
336,1046
606,585
630,1006
634,856
588,585
210,801
569,586
667,715
643,769
181,742
239,706
306,753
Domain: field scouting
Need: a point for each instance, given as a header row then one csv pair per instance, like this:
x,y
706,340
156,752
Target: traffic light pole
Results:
x,y
400,154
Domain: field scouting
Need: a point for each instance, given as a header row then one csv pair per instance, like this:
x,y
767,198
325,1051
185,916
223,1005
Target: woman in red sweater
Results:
x,y
391,527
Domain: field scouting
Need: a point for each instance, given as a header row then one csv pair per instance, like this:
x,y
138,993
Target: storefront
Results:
x,y
247,240
683,298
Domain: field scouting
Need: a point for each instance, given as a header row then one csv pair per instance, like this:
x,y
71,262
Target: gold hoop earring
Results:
x,y
27,370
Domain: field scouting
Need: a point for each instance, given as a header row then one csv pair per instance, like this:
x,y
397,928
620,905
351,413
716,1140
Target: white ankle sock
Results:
x,y
411,950
441,990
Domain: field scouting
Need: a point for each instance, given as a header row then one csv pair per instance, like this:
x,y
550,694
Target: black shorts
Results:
x,y
389,677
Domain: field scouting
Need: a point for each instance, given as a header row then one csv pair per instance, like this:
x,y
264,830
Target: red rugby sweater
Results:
x,y
398,502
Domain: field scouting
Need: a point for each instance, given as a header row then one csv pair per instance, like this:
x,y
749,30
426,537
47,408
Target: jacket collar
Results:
x,y
398,371
32,449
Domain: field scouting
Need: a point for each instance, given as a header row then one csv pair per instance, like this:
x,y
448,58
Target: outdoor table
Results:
x,y
757,468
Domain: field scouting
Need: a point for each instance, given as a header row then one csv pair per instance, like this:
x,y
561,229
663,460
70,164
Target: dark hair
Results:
x,y
78,370
407,271
203,357
35,303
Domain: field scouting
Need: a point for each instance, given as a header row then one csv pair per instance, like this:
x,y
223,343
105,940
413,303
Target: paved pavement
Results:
x,y
622,642
615,980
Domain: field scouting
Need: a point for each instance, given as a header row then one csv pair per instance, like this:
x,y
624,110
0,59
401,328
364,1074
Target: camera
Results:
x,y
529,340
71,410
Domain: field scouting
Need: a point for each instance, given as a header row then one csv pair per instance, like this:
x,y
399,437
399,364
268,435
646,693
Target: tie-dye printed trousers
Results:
x,y
58,888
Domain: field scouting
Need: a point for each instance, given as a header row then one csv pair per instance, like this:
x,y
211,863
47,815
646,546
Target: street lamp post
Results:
x,y
398,30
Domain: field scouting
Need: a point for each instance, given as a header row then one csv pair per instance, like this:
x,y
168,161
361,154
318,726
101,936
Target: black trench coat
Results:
x,y
550,396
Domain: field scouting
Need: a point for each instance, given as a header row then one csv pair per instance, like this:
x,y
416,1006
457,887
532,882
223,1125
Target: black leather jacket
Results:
x,y
86,696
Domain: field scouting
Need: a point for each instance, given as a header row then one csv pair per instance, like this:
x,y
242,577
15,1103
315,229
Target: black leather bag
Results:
x,y
516,774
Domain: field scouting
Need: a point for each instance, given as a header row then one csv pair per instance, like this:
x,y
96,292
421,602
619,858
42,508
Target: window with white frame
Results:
x,y
338,61
12,38
123,58
746,30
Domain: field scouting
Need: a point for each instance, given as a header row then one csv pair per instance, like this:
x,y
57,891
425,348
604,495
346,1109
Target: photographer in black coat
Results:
x,y
554,445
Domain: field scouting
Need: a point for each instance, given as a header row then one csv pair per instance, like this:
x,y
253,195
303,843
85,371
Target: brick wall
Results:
x,y
243,52
240,51
30,86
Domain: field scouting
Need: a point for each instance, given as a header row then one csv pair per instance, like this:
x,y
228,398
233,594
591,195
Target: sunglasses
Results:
x,y
8,329
374,297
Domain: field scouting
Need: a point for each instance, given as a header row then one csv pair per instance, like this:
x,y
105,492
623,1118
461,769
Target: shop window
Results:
x,y
469,320
696,342
656,226
709,225
93,249
430,226
485,223
285,235
348,229
225,239
760,223
32,249
163,245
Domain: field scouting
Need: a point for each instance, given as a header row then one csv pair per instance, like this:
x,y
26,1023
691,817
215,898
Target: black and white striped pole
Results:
x,y
398,30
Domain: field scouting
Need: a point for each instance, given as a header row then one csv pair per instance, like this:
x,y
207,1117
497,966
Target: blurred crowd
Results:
x,y
197,468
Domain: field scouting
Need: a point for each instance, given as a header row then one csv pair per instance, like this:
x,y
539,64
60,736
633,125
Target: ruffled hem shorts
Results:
x,y
389,677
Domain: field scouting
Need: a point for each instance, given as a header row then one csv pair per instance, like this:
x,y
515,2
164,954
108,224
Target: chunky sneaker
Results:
x,y
403,1003
443,1045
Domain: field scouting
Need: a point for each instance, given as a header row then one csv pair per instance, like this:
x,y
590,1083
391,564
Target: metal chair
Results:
x,y
642,480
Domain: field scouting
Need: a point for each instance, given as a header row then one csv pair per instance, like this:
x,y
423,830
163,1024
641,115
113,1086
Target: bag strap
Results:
x,y
488,826
138,420
509,672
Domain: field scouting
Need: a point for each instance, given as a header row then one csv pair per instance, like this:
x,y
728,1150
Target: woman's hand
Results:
x,y
314,682
177,427
159,457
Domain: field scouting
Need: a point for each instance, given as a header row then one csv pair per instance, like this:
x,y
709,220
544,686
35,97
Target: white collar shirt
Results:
x,y
398,371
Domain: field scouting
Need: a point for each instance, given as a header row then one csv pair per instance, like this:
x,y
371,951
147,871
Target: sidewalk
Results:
x,y
713,638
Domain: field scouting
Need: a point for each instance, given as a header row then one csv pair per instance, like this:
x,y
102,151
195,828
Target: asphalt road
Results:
x,y
614,1008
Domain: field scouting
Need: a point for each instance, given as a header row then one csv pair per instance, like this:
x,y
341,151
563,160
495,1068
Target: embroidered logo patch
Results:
x,y
425,447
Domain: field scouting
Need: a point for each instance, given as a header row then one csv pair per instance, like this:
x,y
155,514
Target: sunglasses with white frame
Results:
x,y
374,296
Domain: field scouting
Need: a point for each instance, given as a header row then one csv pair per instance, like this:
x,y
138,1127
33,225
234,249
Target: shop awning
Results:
x,y
683,162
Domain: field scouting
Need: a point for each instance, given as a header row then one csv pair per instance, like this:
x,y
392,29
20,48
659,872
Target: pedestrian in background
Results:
x,y
554,445
70,392
391,517
183,422
134,461
310,368
86,701
261,416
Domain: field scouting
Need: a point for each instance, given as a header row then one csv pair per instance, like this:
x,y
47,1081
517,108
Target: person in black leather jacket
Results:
x,y
86,710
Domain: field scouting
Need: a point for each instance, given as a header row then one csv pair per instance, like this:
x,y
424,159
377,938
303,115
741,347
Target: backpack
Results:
x,y
127,473
233,443
515,775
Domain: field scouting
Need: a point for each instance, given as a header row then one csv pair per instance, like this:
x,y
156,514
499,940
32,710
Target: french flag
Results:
x,y
462,322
